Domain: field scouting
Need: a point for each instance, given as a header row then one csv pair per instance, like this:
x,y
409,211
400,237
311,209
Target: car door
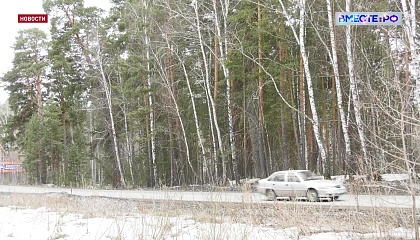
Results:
x,y
295,187
278,184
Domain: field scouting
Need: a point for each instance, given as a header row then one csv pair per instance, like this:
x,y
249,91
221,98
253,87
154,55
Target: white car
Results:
x,y
295,184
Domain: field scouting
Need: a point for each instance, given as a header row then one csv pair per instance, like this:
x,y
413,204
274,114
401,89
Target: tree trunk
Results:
x,y
301,40
151,113
127,135
302,115
216,64
182,124
261,155
337,81
208,91
42,158
410,28
283,137
223,48
355,97
197,126
108,94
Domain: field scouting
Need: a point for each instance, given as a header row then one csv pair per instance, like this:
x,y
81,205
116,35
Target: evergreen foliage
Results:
x,y
126,98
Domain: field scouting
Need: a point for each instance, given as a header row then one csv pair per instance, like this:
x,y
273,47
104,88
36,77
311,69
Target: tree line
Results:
x,y
165,93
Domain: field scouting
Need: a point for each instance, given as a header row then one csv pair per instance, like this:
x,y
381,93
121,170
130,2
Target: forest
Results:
x,y
174,92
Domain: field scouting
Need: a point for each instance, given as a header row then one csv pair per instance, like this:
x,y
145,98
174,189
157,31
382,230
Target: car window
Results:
x,y
308,175
292,178
277,178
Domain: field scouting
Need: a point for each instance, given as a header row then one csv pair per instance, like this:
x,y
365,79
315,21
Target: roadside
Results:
x,y
65,216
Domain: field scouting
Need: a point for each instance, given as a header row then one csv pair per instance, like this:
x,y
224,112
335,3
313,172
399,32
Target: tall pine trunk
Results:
x,y
261,155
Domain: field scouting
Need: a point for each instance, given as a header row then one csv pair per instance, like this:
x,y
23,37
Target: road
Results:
x,y
247,197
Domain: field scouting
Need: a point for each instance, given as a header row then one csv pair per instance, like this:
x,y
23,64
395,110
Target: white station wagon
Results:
x,y
295,184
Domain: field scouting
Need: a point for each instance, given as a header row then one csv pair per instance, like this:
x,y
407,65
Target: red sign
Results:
x,y
32,18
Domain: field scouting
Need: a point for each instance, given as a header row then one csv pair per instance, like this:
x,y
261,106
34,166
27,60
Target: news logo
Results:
x,y
368,18
32,18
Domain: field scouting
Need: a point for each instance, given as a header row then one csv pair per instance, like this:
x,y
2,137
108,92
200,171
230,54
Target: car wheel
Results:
x,y
271,196
335,198
312,195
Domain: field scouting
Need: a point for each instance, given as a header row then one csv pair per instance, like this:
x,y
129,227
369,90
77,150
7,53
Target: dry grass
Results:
x,y
309,219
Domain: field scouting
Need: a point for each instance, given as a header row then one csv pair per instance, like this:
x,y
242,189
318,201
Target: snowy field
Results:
x,y
41,223
90,218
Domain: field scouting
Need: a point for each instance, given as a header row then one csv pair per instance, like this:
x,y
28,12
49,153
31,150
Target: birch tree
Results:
x,y
410,28
128,141
178,112
222,41
354,94
334,59
208,91
107,87
141,10
300,39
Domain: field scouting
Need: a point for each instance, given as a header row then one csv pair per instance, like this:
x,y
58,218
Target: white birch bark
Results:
x,y
128,144
410,28
334,60
214,138
178,112
215,175
127,136
197,126
150,97
208,92
302,127
300,40
223,47
92,160
151,113
354,92
108,94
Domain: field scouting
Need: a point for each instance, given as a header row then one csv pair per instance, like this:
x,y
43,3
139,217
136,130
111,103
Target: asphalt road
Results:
x,y
247,197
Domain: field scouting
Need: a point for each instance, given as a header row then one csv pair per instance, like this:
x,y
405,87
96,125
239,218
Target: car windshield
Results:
x,y
308,175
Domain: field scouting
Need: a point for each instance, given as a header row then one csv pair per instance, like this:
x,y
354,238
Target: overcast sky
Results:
x,y
10,27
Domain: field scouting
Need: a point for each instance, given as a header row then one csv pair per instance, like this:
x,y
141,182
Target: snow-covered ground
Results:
x,y
385,177
42,223
394,177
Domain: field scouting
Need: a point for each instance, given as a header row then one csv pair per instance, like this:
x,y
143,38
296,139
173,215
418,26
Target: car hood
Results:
x,y
262,180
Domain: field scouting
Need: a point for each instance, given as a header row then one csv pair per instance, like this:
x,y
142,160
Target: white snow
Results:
x,y
385,177
340,178
394,177
41,223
